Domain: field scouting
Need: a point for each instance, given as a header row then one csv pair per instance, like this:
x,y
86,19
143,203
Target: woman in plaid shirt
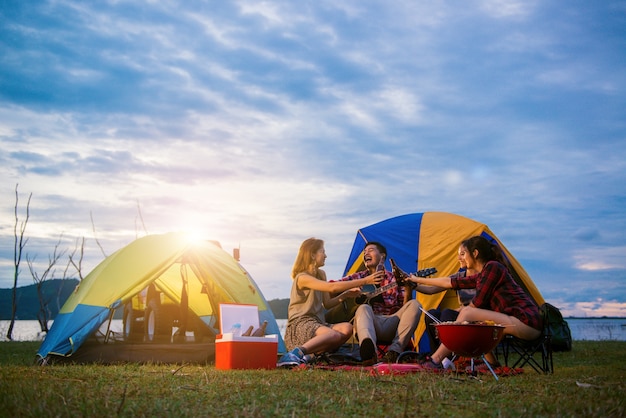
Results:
x,y
498,297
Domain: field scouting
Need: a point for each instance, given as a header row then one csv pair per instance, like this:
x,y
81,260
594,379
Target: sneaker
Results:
x,y
431,365
368,352
391,356
291,359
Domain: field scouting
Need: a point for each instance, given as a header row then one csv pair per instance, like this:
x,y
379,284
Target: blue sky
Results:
x,y
262,123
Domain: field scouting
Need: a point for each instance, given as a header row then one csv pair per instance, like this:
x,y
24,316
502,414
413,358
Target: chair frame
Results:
x,y
526,351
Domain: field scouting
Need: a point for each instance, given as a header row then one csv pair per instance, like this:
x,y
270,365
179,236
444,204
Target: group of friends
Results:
x,y
393,317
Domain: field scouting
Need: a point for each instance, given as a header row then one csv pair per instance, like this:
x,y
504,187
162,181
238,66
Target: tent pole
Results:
x,y
106,336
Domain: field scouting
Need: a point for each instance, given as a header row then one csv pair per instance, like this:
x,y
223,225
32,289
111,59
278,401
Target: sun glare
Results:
x,y
194,237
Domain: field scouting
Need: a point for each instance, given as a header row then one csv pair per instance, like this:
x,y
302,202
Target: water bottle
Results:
x,y
236,330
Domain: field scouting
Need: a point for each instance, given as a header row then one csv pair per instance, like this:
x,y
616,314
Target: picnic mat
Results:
x,y
462,366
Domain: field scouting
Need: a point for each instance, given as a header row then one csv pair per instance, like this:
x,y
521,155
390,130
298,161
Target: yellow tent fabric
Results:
x,y
171,261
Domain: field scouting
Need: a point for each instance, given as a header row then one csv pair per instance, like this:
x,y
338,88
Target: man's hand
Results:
x,y
350,293
376,277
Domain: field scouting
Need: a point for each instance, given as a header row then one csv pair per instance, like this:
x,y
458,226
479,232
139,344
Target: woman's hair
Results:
x,y
487,251
305,255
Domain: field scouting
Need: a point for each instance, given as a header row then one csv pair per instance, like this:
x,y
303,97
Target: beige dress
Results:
x,y
306,313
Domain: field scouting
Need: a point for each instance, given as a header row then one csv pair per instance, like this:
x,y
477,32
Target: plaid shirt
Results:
x,y
393,299
497,291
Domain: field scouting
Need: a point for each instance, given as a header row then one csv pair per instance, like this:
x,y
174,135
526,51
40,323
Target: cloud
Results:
x,y
593,259
261,124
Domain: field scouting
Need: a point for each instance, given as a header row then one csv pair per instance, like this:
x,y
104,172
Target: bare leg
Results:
x,y
513,325
328,338
441,353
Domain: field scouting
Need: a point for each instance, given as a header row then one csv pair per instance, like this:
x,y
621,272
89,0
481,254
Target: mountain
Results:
x,y
279,307
55,292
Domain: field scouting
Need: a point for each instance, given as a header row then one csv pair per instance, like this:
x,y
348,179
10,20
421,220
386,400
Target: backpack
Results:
x,y
556,327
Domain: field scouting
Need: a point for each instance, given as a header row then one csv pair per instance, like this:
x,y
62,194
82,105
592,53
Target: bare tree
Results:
x,y
78,264
93,226
143,225
20,243
44,310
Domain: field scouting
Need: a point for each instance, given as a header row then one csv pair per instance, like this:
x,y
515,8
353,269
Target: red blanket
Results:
x,y
462,366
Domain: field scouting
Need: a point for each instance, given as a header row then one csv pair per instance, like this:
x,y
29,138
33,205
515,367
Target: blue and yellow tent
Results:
x,y
212,276
431,239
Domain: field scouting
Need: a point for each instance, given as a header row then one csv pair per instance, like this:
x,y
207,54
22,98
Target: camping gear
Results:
x,y
471,340
556,327
555,336
234,351
195,275
431,239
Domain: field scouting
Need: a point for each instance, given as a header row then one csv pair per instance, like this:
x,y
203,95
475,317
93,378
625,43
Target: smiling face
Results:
x,y
466,257
461,256
319,257
371,257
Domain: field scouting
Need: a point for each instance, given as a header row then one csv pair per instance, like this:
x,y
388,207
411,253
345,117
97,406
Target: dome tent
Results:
x,y
198,274
431,239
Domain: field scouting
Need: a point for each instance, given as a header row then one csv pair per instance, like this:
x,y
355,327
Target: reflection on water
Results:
x,y
592,329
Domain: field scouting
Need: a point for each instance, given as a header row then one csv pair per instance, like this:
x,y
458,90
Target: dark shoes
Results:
x,y
431,365
368,352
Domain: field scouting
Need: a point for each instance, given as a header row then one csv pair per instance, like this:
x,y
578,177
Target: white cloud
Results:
x,y
596,258
597,308
264,123
508,9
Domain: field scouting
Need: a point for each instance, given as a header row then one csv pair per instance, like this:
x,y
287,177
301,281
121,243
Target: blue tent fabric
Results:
x,y
431,239
400,235
70,334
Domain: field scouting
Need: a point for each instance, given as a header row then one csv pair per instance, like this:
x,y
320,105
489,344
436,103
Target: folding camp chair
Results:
x,y
526,351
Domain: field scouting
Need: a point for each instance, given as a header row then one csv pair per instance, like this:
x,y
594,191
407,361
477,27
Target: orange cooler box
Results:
x,y
234,352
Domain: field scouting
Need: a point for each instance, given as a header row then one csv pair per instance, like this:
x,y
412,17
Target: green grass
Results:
x,y
588,382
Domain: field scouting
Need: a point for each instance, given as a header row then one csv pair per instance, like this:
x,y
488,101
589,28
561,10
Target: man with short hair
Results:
x,y
391,317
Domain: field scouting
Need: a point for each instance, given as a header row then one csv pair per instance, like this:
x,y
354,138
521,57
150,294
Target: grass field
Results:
x,y
588,382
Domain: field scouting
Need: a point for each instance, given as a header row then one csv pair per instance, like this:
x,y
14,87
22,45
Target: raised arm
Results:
x,y
440,282
307,281
429,290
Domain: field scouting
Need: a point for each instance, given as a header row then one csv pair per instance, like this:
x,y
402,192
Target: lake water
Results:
x,y
591,329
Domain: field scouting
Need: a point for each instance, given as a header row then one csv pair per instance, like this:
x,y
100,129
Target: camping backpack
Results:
x,y
557,327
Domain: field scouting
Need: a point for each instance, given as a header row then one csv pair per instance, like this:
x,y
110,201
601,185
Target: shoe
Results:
x,y
391,356
431,365
368,352
291,359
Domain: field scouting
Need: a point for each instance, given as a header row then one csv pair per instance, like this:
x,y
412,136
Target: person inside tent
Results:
x,y
307,333
391,317
498,297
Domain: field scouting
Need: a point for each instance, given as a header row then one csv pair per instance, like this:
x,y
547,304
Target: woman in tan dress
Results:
x,y
307,332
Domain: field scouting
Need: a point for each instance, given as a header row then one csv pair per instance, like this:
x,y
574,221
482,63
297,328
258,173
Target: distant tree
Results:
x,y
20,243
143,224
93,226
77,263
44,310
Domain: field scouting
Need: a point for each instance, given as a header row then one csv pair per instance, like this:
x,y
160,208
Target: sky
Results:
x,y
262,123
